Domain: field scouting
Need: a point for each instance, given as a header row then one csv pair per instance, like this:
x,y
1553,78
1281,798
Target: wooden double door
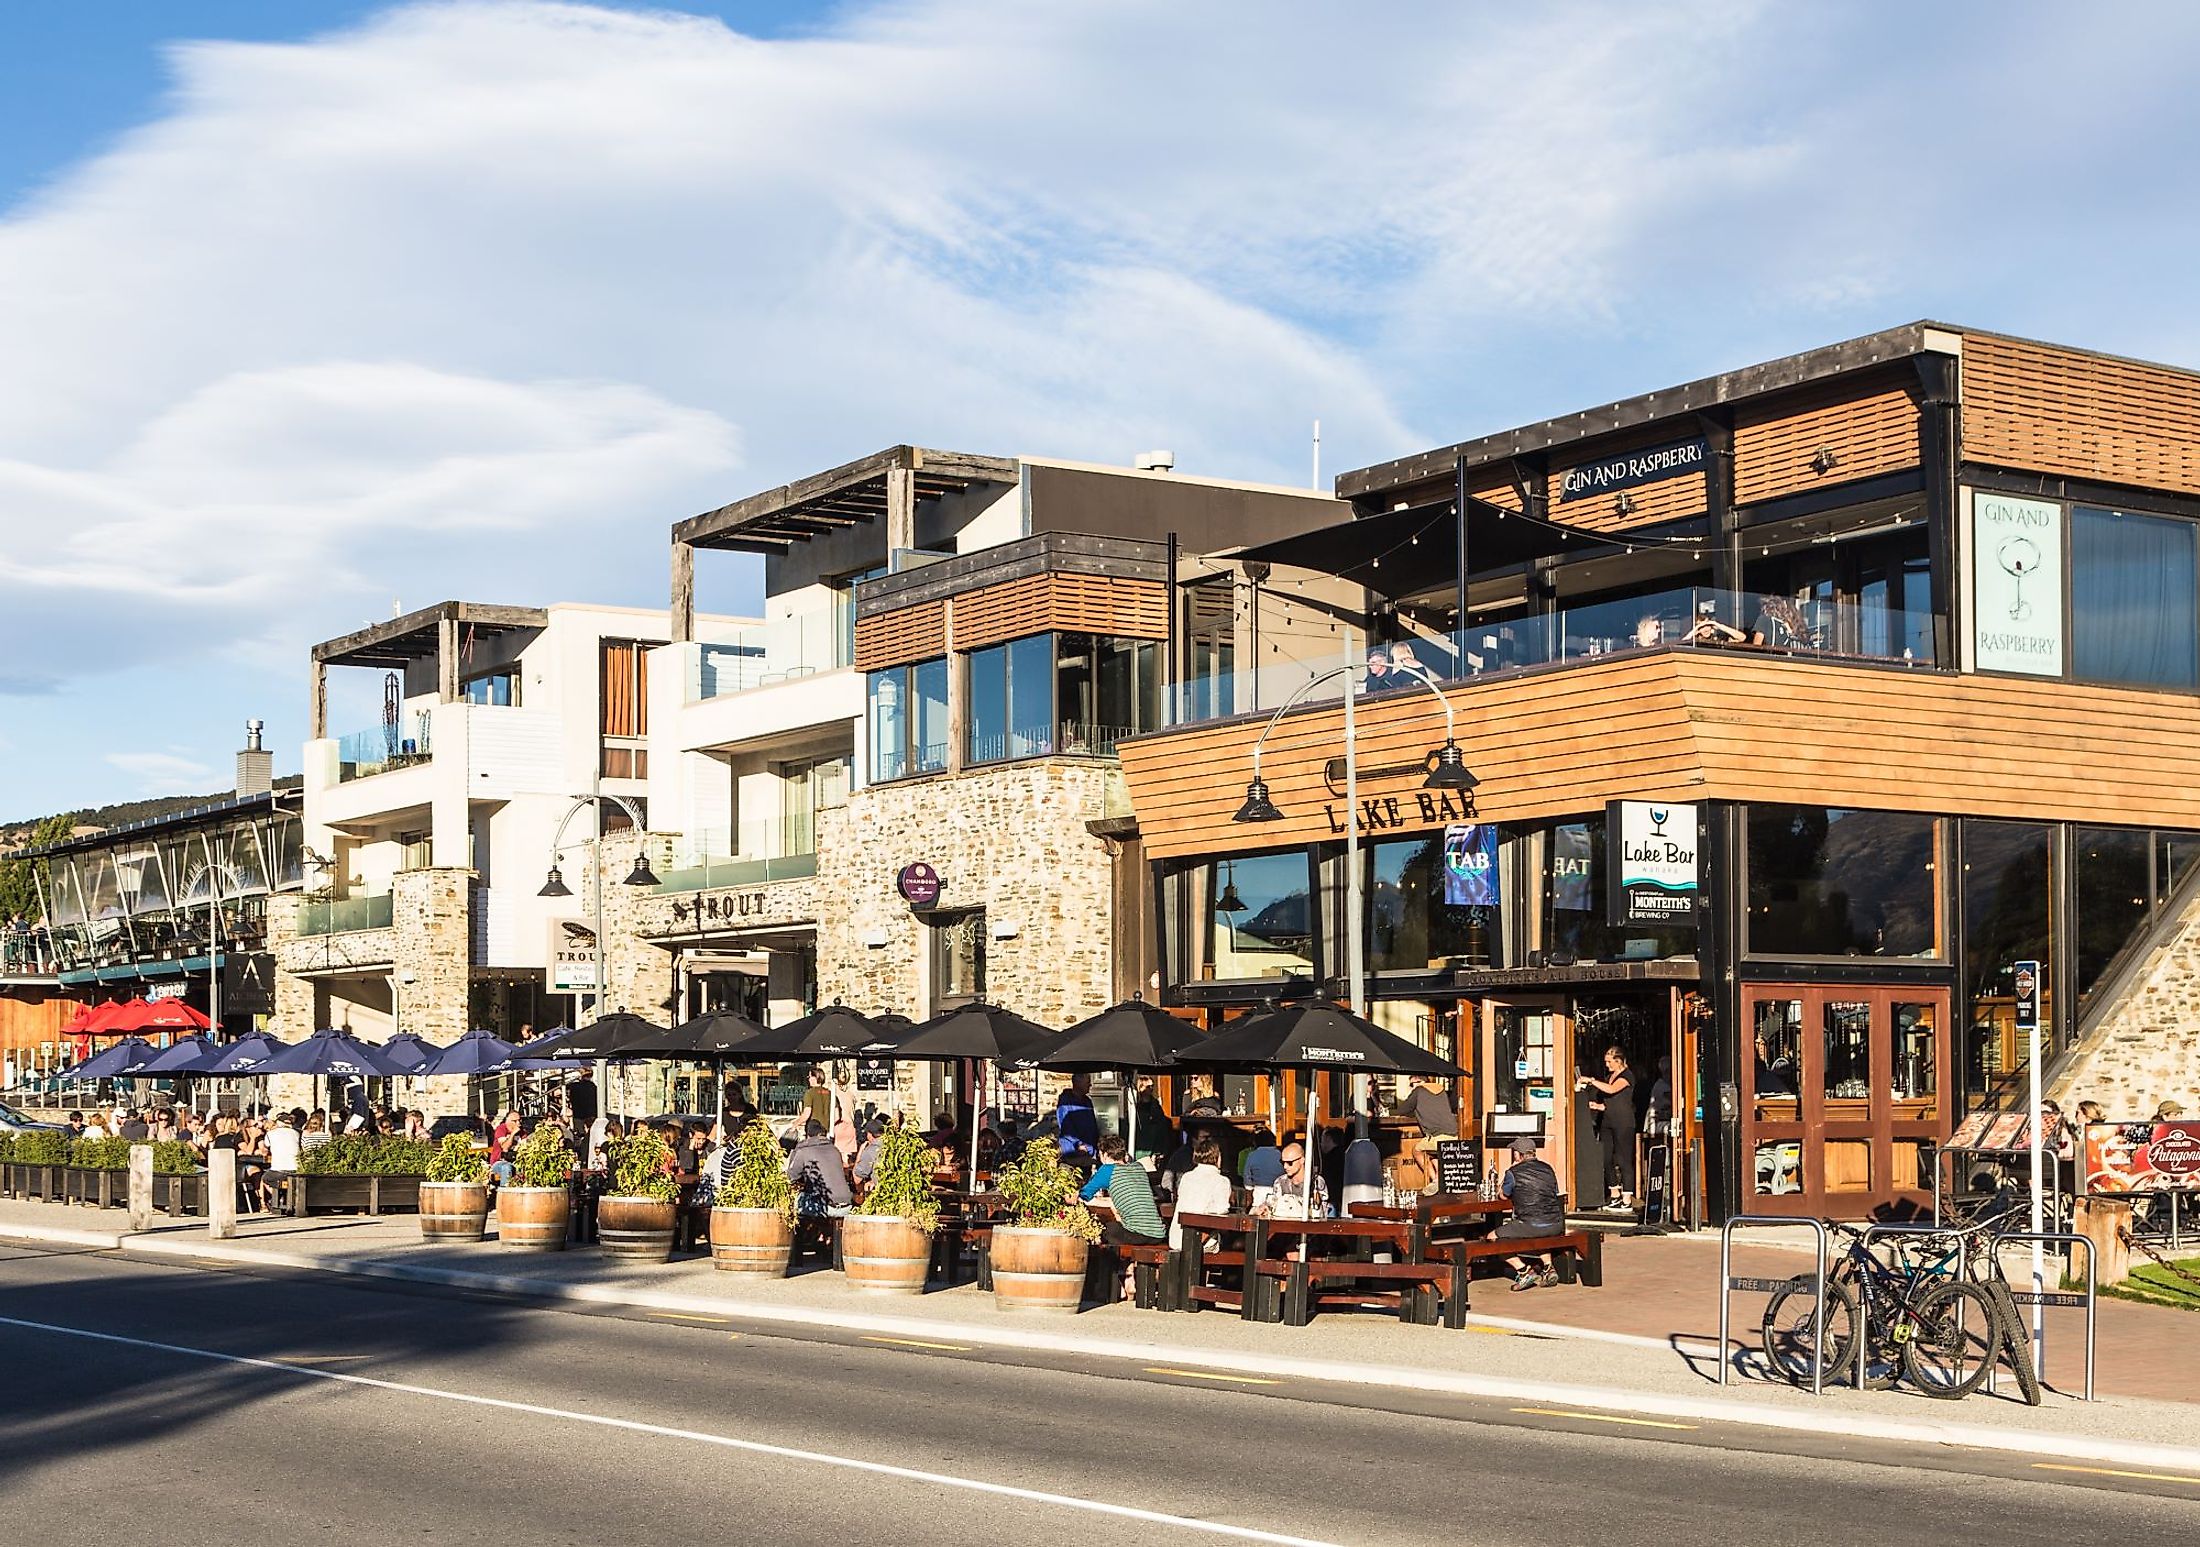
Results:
x,y
1843,1098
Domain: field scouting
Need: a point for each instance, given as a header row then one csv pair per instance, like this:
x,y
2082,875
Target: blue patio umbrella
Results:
x,y
478,1052
330,1052
186,1055
243,1057
410,1050
126,1057
540,1045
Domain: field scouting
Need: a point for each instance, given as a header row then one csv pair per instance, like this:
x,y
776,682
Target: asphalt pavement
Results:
x,y
143,1401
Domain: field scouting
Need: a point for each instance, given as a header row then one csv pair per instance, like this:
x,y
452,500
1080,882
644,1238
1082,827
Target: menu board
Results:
x,y
874,1074
1970,1131
1458,1165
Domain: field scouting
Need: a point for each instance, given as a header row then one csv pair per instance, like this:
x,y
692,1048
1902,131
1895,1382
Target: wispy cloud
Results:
x,y
160,772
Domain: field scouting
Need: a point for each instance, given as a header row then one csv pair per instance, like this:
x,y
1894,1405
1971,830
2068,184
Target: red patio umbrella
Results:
x,y
102,1021
75,1024
159,1015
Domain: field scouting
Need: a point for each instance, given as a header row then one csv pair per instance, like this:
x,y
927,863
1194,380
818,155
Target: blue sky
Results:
x,y
318,307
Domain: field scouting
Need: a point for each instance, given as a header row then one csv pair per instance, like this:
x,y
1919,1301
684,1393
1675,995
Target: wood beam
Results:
x,y
446,658
682,617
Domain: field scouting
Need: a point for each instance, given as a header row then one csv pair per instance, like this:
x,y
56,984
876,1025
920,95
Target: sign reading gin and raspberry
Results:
x,y
2016,584
1651,859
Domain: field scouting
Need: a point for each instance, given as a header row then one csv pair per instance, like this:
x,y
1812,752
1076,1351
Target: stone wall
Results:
x,y
2147,1049
431,912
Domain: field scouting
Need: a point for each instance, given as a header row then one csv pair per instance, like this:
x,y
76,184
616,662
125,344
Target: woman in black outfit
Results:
x,y
1614,1105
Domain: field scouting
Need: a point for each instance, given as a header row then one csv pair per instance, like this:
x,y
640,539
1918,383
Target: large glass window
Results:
x,y
907,718
1249,916
498,688
1411,923
2134,598
1829,882
2008,916
1576,925
2113,906
1076,694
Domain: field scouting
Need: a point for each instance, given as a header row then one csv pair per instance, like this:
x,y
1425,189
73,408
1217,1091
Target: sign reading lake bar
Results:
x,y
1632,468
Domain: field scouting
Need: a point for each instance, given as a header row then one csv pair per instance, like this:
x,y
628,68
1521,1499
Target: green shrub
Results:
x,y
7,1147
638,1166
357,1154
40,1147
901,1180
173,1157
456,1160
543,1159
100,1154
759,1179
1041,1194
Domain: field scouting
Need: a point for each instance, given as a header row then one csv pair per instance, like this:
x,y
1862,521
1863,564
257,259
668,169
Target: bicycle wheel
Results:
x,y
1952,1343
1788,1332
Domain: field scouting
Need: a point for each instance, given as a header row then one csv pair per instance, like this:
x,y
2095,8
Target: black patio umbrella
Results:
x,y
1133,1035
129,1056
608,1037
833,1032
327,1052
477,1052
542,1043
713,1034
977,1030
245,1055
409,1050
1313,1036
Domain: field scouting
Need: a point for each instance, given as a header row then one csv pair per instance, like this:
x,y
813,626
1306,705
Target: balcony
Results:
x,y
774,849
819,639
345,915
362,754
1684,617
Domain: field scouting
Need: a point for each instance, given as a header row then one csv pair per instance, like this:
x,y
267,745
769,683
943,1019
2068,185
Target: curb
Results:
x,y
2071,1447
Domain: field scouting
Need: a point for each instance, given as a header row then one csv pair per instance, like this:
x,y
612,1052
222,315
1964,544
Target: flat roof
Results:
x,y
412,637
852,494
195,816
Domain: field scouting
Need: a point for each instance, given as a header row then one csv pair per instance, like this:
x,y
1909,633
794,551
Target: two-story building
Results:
x,y
1885,659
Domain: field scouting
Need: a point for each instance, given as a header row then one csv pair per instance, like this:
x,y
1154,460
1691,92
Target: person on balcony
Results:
x,y
1378,679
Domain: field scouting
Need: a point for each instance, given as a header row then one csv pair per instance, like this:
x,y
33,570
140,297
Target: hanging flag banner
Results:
x,y
1654,877
1470,865
1573,868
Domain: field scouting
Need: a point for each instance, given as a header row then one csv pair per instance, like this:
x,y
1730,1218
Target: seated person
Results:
x,y
1261,1164
1538,1209
819,1175
1781,625
1649,631
1296,1195
1708,630
1405,666
1133,1219
1203,1188
1378,678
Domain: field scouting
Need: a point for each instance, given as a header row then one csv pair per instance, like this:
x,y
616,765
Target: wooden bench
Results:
x,y
1411,1283
1241,1241
1155,1274
1578,1255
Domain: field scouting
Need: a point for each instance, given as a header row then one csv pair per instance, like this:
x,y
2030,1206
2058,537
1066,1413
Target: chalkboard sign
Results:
x,y
1458,1165
874,1074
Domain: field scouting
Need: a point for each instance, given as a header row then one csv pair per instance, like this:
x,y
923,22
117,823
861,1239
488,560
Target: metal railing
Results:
x,y
2045,1297
801,644
779,848
1729,1286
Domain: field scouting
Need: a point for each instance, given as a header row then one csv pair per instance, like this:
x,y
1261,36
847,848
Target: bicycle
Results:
x,y
1931,1322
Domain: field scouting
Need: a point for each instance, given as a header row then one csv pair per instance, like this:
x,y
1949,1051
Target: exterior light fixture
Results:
x,y
1230,901
1258,807
641,875
1448,769
555,886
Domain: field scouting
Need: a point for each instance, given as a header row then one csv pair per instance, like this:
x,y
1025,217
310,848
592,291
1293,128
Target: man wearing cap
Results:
x,y
1538,1209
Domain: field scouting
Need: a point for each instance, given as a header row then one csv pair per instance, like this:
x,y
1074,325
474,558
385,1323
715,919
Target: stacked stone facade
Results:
x,y
431,913
2147,1050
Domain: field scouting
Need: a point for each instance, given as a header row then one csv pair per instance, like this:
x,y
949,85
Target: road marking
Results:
x,y
1639,1423
700,1437
716,1321
1495,1332
1239,1380
952,1348
2102,1471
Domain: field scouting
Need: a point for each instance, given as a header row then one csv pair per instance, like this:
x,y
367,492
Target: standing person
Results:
x,y
583,1101
1156,1135
1614,1104
817,1103
1076,1125
1538,1209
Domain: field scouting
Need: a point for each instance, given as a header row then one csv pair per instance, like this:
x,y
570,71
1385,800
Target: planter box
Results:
x,y
21,1180
100,1189
180,1195
302,1194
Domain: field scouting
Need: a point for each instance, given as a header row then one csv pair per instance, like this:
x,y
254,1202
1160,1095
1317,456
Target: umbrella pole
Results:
x,y
1130,1113
1306,1146
977,1121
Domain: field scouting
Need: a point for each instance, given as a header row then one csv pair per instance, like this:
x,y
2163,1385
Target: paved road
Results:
x,y
284,1410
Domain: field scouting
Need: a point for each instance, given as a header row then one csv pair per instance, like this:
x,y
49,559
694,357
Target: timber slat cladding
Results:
x,y
1696,725
1090,604
903,635
2057,411
1667,499
1866,432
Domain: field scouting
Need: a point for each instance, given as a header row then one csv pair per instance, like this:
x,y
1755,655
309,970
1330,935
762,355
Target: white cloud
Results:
x,y
160,772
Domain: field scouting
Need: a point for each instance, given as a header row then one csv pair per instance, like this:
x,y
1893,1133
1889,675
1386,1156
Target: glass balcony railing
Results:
x,y
342,915
801,645
1692,617
368,752
1068,738
779,848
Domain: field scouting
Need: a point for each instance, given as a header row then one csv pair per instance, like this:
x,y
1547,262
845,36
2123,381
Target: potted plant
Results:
x,y
95,1171
179,1181
533,1207
636,1218
1039,1254
886,1241
454,1197
36,1158
752,1218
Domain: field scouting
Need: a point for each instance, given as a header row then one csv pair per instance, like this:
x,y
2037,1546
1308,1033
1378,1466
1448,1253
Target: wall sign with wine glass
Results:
x,y
1655,876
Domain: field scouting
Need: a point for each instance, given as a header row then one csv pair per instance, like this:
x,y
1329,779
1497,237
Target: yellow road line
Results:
x,y
1240,1380
952,1348
716,1321
2102,1471
1638,1423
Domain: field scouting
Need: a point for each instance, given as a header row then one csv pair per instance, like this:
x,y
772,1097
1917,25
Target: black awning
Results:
x,y
1402,553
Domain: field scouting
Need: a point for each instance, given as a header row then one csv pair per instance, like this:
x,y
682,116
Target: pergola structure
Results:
x,y
431,632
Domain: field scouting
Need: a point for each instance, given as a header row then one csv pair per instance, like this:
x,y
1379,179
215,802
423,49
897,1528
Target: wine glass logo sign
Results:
x,y
2018,557
1658,814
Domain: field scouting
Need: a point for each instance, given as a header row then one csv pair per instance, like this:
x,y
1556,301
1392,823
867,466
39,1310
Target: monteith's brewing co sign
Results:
x,y
2016,585
1633,468
1654,871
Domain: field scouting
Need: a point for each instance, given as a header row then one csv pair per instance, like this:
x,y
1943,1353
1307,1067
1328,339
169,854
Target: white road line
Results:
x,y
635,1426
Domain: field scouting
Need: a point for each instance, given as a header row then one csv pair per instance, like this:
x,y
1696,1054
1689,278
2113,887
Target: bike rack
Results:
x,y
1864,1289
2052,1297
1728,1284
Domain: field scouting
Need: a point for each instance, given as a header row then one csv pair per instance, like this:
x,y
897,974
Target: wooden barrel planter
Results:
x,y
755,1241
454,1211
885,1254
1037,1270
636,1229
533,1218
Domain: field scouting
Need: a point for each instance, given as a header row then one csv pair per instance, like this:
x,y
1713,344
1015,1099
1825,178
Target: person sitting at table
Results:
x,y
819,1175
1204,1102
1012,1140
1538,1209
1203,1188
1076,1124
1293,1196
1260,1165
1708,630
874,1134
1405,666
1131,1217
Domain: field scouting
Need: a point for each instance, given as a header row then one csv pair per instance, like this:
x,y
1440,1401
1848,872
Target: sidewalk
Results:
x,y
1643,1344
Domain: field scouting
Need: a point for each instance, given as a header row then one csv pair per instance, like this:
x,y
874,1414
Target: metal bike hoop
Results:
x,y
1869,1234
1728,1284
2032,1296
